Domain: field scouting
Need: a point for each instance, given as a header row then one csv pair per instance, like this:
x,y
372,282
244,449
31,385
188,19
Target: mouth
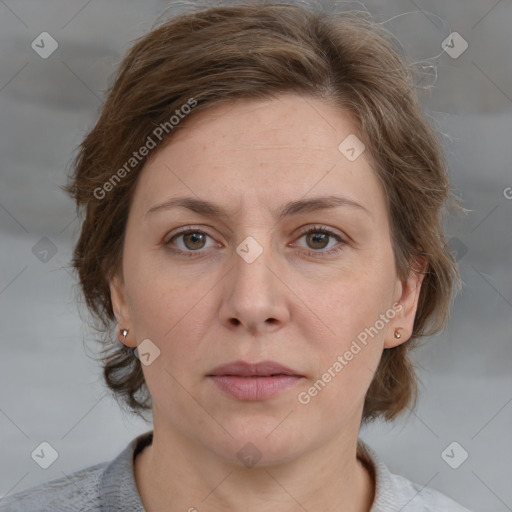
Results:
x,y
254,382
244,369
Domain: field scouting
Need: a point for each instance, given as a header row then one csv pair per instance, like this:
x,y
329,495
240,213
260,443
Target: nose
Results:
x,y
255,298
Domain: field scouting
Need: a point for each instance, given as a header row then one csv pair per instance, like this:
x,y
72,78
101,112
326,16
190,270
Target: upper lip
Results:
x,y
244,369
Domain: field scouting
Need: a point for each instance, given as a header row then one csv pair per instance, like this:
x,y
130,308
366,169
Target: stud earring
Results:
x,y
397,334
124,333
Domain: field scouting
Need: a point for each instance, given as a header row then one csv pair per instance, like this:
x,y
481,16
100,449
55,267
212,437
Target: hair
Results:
x,y
258,51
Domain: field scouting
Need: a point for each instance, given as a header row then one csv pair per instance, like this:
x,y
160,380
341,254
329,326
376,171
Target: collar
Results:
x,y
118,489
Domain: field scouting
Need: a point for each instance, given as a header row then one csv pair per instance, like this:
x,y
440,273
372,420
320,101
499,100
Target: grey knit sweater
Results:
x,y
111,487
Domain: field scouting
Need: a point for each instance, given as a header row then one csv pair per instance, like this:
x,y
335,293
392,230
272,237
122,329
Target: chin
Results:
x,y
259,441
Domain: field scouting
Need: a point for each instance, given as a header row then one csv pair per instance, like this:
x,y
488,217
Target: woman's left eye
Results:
x,y
317,238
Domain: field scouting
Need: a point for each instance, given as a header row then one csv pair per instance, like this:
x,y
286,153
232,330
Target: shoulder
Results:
x,y
77,491
395,492
417,498
105,486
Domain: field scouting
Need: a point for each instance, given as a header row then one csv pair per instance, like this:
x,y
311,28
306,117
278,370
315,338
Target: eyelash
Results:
x,y
313,229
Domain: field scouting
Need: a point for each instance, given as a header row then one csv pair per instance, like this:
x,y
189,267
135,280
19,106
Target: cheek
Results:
x,y
357,311
160,299
176,320
350,303
347,362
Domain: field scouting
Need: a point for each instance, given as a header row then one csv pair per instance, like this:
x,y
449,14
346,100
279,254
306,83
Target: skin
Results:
x,y
302,310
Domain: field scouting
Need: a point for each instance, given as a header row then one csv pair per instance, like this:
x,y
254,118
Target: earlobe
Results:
x,y
403,324
122,336
121,310
395,337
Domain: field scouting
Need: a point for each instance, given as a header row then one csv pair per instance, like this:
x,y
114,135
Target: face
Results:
x,y
267,274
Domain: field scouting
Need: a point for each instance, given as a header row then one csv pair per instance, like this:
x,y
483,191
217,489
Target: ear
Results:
x,y
122,310
406,296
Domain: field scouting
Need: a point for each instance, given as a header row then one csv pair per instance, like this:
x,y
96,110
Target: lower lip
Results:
x,y
254,388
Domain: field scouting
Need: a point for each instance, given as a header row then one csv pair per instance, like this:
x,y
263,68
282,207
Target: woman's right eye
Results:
x,y
188,240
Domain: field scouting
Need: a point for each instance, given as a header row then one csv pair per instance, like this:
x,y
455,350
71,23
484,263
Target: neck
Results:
x,y
175,474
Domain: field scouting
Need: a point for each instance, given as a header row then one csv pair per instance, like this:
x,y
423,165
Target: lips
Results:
x,y
262,369
254,382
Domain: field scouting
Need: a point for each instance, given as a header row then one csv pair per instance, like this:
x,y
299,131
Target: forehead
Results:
x,y
259,151
290,121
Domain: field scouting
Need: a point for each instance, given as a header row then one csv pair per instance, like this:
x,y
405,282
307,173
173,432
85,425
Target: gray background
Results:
x,y
51,389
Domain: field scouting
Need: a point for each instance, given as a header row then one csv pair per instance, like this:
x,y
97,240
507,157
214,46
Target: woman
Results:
x,y
262,198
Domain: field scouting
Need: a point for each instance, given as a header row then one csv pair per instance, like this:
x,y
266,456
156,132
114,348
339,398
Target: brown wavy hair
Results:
x,y
254,50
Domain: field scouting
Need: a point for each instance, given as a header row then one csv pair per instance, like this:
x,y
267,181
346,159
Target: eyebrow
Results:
x,y
209,209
